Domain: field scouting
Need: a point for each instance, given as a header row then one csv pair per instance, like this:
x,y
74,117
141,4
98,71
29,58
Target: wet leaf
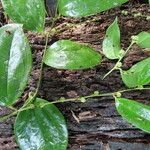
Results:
x,y
143,39
30,13
111,43
65,54
15,63
136,113
80,8
41,128
138,74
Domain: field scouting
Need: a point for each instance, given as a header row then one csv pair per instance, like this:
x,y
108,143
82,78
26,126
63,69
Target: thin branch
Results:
x,y
93,96
116,66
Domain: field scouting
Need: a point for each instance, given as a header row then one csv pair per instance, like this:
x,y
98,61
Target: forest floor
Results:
x,y
94,125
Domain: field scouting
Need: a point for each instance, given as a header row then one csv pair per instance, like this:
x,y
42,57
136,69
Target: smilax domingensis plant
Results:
x,y
39,124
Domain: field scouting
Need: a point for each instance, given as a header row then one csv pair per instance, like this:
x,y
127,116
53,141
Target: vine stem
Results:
x,y
8,116
120,59
16,112
93,95
12,108
41,66
70,100
42,62
33,97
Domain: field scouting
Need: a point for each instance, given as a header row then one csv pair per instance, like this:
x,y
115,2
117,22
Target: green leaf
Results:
x,y
111,43
65,54
15,63
136,113
41,128
80,8
30,13
143,39
138,74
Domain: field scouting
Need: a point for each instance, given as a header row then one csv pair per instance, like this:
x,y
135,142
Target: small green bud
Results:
x,y
83,100
96,93
121,53
134,39
119,65
54,30
124,12
118,94
62,99
148,18
31,94
137,15
31,106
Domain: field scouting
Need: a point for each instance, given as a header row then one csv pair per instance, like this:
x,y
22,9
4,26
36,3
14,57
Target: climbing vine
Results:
x,y
39,124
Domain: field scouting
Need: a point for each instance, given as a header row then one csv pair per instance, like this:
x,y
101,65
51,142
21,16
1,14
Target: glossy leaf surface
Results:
x,y
111,43
65,54
136,113
80,8
143,39
15,63
138,74
41,128
30,13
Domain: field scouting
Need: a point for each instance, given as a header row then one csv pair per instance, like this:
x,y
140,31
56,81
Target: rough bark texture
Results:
x,y
94,125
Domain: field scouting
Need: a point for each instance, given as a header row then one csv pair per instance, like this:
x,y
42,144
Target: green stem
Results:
x,y
70,100
12,108
33,97
138,14
26,108
8,116
136,89
42,64
120,59
41,68
92,96
2,119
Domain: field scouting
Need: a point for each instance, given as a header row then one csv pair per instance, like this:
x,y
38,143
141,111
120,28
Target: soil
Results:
x,y
94,125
